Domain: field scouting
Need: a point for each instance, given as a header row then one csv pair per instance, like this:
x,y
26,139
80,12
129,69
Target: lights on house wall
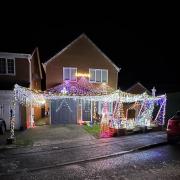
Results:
x,y
82,75
25,95
64,91
28,97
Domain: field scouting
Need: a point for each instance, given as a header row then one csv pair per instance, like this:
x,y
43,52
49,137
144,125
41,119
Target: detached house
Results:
x,y
25,70
81,62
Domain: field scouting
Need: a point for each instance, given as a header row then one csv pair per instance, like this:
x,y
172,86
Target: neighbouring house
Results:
x,y
138,88
132,109
25,70
82,67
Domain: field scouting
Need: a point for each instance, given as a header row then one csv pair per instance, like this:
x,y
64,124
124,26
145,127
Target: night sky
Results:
x,y
144,46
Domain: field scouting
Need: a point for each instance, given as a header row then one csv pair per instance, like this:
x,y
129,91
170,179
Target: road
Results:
x,y
93,161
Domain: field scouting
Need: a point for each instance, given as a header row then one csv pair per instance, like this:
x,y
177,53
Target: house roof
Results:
x,y
73,42
138,88
15,55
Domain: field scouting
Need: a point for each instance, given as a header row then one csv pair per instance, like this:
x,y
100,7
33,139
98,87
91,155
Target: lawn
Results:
x,y
94,130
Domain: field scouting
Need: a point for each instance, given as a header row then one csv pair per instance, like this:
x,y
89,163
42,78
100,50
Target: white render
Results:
x,y
6,99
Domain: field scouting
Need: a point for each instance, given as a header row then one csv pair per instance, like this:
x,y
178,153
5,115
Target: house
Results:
x,y
82,63
138,88
132,109
25,70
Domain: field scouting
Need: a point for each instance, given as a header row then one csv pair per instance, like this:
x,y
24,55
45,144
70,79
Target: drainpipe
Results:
x,y
91,114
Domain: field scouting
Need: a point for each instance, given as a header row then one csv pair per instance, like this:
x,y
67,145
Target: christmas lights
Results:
x,y
83,90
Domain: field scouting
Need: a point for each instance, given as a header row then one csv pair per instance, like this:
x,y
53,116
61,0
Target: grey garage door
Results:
x,y
64,111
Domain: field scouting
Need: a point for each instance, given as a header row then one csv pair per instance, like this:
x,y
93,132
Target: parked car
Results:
x,y
2,126
173,129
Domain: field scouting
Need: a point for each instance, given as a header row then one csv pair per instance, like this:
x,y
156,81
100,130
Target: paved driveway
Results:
x,y
51,134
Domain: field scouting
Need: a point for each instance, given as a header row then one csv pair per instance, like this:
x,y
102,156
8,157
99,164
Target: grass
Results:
x,y
94,130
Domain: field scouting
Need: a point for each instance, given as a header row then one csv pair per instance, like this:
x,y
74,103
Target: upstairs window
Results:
x,y
10,66
7,66
69,74
2,66
98,75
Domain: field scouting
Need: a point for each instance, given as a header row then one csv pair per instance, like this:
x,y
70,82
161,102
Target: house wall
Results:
x,y
36,78
21,73
36,81
83,55
37,113
23,114
6,99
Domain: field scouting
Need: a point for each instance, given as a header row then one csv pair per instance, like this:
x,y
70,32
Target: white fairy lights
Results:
x,y
30,97
26,96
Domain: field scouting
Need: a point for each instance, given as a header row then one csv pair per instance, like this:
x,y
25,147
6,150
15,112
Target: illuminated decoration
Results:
x,y
63,101
104,128
118,111
160,117
28,97
82,90
82,75
94,111
118,115
11,137
145,117
64,91
153,92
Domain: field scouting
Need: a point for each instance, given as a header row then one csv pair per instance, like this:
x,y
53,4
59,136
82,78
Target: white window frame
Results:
x,y
95,75
69,73
6,61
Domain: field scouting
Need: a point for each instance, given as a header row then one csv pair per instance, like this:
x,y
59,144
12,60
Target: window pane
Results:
x,y
2,66
104,76
98,75
10,63
66,74
73,74
92,75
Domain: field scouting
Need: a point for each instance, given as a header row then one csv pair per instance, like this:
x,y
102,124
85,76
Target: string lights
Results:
x,y
83,90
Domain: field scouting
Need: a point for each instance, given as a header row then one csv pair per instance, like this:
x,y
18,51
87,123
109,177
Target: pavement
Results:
x,y
14,160
45,137
125,144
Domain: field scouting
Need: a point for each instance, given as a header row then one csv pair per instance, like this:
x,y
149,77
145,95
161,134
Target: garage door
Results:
x,y
64,111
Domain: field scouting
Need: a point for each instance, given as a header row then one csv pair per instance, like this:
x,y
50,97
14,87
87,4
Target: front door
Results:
x,y
86,110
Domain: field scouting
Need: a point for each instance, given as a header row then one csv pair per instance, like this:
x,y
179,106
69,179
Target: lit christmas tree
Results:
x,y
118,111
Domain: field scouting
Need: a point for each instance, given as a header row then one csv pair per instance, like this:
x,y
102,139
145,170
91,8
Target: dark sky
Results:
x,y
145,45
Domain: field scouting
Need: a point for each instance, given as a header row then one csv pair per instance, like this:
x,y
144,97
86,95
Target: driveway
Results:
x,y
51,134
